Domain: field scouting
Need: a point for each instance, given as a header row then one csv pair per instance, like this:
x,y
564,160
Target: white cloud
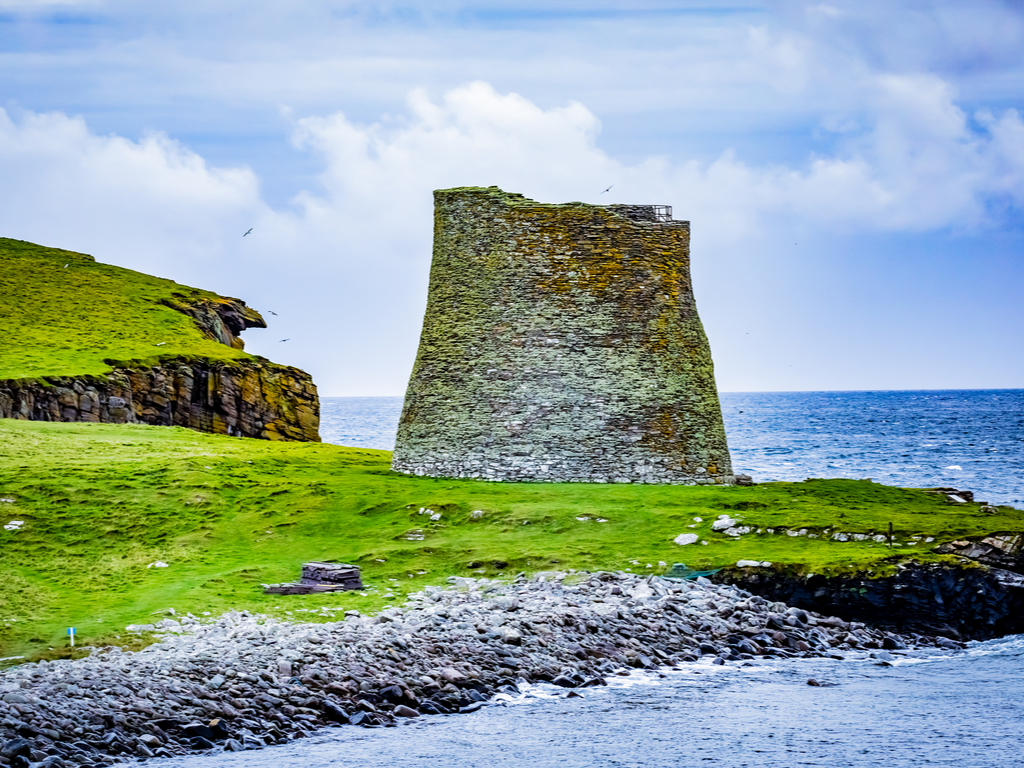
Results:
x,y
144,202
345,266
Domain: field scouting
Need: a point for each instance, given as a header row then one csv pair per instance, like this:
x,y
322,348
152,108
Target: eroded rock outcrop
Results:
x,y
248,398
967,602
222,319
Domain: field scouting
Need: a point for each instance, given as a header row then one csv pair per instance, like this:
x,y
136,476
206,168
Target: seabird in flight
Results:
x,y
250,230
607,189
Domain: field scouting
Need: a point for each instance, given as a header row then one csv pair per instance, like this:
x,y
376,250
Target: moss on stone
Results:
x,y
560,342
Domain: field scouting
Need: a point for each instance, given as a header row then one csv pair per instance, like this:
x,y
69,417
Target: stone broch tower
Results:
x,y
561,343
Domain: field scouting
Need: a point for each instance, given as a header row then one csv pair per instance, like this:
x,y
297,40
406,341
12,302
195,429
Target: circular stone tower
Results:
x,y
561,343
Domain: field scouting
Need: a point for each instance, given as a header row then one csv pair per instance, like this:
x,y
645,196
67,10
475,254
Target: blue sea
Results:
x,y
963,709
967,439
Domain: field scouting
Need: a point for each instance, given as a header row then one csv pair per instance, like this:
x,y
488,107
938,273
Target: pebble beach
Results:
x,y
245,681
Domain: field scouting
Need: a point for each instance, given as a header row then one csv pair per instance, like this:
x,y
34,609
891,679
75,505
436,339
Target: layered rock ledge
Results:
x,y
244,681
971,601
247,398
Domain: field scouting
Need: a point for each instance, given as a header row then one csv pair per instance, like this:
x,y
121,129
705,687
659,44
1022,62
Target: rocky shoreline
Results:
x,y
245,682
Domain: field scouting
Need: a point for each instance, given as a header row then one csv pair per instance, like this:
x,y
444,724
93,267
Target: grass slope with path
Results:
x,y
65,314
100,503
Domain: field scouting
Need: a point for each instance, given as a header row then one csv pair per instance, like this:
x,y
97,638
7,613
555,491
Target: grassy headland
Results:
x,y
100,503
65,314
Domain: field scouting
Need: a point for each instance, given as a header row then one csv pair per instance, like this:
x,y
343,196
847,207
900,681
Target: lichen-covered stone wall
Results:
x,y
560,343
248,398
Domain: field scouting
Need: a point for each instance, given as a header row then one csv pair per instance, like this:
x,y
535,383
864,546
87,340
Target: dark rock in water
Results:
x,y
594,681
334,713
573,695
198,742
198,729
719,661
403,711
821,683
234,745
475,695
361,718
476,705
707,649
433,708
564,682
892,644
744,647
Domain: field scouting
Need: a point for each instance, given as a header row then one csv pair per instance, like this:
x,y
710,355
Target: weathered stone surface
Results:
x,y
972,603
561,343
249,398
222,319
1000,550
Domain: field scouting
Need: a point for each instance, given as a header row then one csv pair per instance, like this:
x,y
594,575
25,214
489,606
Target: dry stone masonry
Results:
x,y
561,343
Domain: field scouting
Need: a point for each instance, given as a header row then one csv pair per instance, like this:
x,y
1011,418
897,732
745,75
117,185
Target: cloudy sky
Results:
x,y
853,171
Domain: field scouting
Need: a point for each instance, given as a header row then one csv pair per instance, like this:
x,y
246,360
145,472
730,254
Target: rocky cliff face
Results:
x,y
246,398
966,602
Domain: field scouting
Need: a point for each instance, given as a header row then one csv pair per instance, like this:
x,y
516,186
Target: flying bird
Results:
x,y
284,340
65,266
607,189
272,312
250,230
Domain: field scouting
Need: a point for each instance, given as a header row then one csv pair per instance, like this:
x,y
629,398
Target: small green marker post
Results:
x,y
71,634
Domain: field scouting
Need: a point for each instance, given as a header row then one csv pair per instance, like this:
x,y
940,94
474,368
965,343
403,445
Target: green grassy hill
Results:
x,y
64,314
100,503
